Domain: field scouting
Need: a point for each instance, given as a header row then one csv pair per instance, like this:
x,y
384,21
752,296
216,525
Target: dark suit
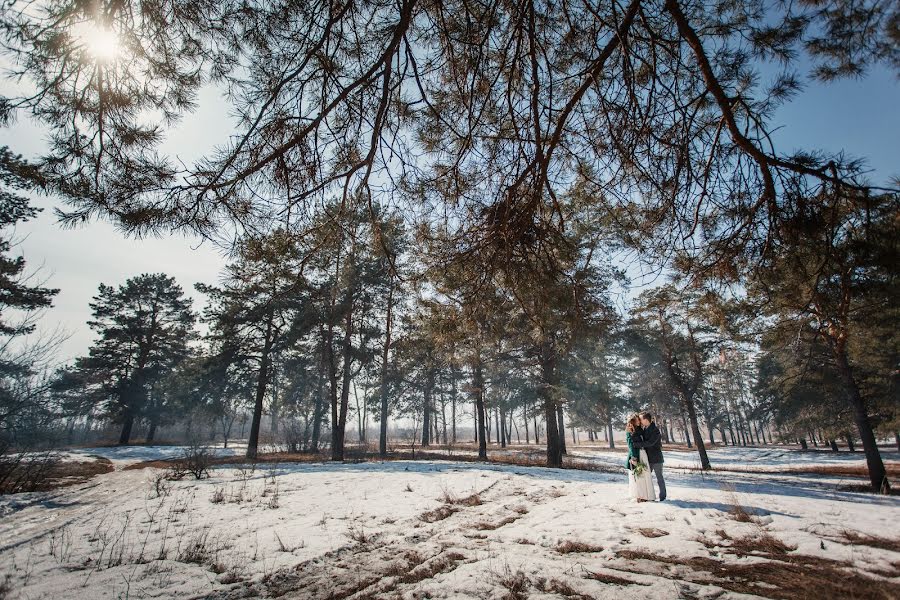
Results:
x,y
651,441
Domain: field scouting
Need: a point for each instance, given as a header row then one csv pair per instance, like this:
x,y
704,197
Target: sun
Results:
x,y
100,42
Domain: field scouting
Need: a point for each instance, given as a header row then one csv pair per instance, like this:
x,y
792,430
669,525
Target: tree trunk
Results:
x,y
453,406
695,428
338,428
849,439
151,432
897,439
834,447
803,445
127,425
426,415
877,472
609,433
525,417
551,415
478,390
253,443
561,426
502,426
687,434
273,420
443,417
319,404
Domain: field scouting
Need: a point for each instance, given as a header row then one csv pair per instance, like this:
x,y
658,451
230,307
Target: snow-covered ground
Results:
x,y
765,458
434,529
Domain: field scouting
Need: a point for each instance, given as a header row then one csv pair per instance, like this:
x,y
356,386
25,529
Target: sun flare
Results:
x,y
100,42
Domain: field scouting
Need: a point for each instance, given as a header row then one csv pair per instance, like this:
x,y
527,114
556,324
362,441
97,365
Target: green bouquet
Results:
x,y
639,469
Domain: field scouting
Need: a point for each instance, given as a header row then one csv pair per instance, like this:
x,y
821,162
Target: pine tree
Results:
x,y
144,327
832,273
252,315
15,292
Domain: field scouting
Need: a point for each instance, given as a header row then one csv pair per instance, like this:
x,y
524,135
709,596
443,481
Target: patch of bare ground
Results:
x,y
442,563
570,547
488,526
473,499
42,476
780,576
865,488
438,514
517,586
760,543
652,532
557,586
611,579
360,571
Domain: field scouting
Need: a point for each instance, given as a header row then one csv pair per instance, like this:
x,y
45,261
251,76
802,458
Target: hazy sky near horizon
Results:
x,y
860,117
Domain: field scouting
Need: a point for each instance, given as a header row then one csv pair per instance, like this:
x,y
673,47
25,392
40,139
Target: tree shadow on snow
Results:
x,y
754,511
744,484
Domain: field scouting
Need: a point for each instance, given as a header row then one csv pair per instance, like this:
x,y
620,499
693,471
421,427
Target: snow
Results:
x,y
122,456
315,529
763,459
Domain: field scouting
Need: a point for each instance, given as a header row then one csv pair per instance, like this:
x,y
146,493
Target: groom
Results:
x,y
652,443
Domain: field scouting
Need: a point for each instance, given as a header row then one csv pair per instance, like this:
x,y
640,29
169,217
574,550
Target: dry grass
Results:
x,y
611,579
485,526
438,514
56,474
652,532
443,563
556,586
787,577
761,543
570,547
411,560
873,541
740,514
865,488
515,584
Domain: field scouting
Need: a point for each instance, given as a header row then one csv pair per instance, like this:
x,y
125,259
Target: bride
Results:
x,y
640,486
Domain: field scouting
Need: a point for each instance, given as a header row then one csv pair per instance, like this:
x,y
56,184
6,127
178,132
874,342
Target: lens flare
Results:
x,y
101,43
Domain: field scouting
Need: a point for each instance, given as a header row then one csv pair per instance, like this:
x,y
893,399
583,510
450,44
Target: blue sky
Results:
x,y
860,117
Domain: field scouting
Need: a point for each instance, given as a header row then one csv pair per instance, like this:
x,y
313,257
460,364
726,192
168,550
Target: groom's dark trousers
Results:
x,y
657,468
652,443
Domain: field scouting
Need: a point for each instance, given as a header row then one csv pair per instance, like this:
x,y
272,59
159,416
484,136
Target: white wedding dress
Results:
x,y
640,487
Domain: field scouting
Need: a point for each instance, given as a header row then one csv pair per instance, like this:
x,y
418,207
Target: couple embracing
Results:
x,y
644,456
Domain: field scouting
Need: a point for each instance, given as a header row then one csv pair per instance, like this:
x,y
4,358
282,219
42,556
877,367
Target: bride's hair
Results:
x,y
632,423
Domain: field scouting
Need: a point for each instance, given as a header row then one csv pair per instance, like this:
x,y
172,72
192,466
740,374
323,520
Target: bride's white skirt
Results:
x,y
641,487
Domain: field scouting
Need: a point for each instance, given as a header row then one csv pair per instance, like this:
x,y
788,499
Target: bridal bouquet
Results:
x,y
639,469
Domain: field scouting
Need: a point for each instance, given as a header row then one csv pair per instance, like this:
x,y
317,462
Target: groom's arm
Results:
x,y
648,442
